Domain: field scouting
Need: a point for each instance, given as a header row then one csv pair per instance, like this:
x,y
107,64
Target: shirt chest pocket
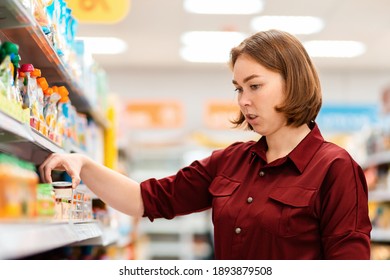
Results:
x,y
222,189
288,211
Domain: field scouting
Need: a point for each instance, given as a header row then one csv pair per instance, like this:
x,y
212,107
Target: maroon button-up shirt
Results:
x,y
311,204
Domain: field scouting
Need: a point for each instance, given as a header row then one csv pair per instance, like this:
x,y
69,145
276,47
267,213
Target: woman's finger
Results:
x,y
42,168
53,162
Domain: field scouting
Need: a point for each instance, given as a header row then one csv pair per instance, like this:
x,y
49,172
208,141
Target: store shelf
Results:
x,y
24,142
379,195
380,235
376,159
107,237
19,240
174,239
196,223
18,26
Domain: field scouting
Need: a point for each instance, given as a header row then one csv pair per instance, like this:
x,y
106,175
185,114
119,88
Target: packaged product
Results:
x,y
38,121
32,180
11,191
50,111
39,12
25,85
72,125
18,183
45,200
53,10
78,205
63,194
9,63
63,113
81,128
44,85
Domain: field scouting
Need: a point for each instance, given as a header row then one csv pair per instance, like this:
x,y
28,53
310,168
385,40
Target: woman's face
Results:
x,y
259,91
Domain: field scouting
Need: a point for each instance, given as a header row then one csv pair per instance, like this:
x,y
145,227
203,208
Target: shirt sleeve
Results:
x,y
183,193
345,223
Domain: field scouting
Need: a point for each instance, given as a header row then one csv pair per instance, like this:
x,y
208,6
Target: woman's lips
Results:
x,y
250,117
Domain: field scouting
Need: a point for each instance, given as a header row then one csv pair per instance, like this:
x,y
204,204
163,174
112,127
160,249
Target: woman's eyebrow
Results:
x,y
246,79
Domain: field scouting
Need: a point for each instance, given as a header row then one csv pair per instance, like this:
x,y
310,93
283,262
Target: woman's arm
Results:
x,y
343,209
115,189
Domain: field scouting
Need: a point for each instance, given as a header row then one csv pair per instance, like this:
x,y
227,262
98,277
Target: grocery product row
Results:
x,y
376,166
48,216
53,49
52,100
377,172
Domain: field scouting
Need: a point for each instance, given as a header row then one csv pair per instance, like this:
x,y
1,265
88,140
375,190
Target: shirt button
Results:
x,y
238,230
261,173
249,199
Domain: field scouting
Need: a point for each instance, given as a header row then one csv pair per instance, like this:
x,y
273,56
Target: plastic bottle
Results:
x,y
11,191
11,50
24,79
9,59
44,85
32,180
63,113
50,111
37,102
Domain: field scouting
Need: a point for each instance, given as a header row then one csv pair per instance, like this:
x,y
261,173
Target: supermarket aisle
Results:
x,y
56,98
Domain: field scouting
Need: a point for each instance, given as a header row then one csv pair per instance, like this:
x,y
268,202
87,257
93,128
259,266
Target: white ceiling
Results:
x,y
152,31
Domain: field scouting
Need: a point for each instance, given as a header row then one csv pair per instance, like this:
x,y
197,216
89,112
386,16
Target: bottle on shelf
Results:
x,y
18,183
9,94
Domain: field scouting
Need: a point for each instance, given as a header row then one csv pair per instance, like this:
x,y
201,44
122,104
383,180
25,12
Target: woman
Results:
x,y
291,195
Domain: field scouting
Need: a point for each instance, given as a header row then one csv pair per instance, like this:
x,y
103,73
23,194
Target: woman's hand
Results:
x,y
71,163
115,189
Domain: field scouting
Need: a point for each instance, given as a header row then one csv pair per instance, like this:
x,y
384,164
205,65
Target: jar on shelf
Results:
x,y
63,196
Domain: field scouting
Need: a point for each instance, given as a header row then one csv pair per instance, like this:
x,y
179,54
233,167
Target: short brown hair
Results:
x,y
283,53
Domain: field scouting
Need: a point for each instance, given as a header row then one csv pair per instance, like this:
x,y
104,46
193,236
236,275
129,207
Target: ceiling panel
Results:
x,y
152,30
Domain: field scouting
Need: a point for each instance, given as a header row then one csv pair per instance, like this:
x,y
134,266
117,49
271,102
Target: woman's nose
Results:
x,y
244,99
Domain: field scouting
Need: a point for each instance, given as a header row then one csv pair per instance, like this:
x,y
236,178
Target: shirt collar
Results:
x,y
301,154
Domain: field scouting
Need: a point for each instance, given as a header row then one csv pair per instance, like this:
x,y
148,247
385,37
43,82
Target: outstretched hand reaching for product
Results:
x,y
117,190
71,163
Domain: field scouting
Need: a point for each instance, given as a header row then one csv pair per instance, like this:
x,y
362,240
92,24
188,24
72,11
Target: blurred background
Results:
x,y
166,94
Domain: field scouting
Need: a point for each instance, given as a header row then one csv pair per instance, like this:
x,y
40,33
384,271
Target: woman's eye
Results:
x,y
255,87
239,90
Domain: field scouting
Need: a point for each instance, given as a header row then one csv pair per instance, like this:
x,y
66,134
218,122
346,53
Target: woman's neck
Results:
x,y
284,141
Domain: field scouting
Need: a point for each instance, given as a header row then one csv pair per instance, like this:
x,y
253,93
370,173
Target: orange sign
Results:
x,y
220,113
99,11
154,114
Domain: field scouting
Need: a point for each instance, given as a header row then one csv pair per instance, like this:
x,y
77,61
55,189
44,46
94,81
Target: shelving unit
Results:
x,y
24,142
174,239
377,159
381,193
18,240
380,235
18,26
21,238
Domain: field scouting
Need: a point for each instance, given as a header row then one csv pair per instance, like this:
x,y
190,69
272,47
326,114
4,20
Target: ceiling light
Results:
x,y
103,45
291,24
209,46
223,6
334,48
